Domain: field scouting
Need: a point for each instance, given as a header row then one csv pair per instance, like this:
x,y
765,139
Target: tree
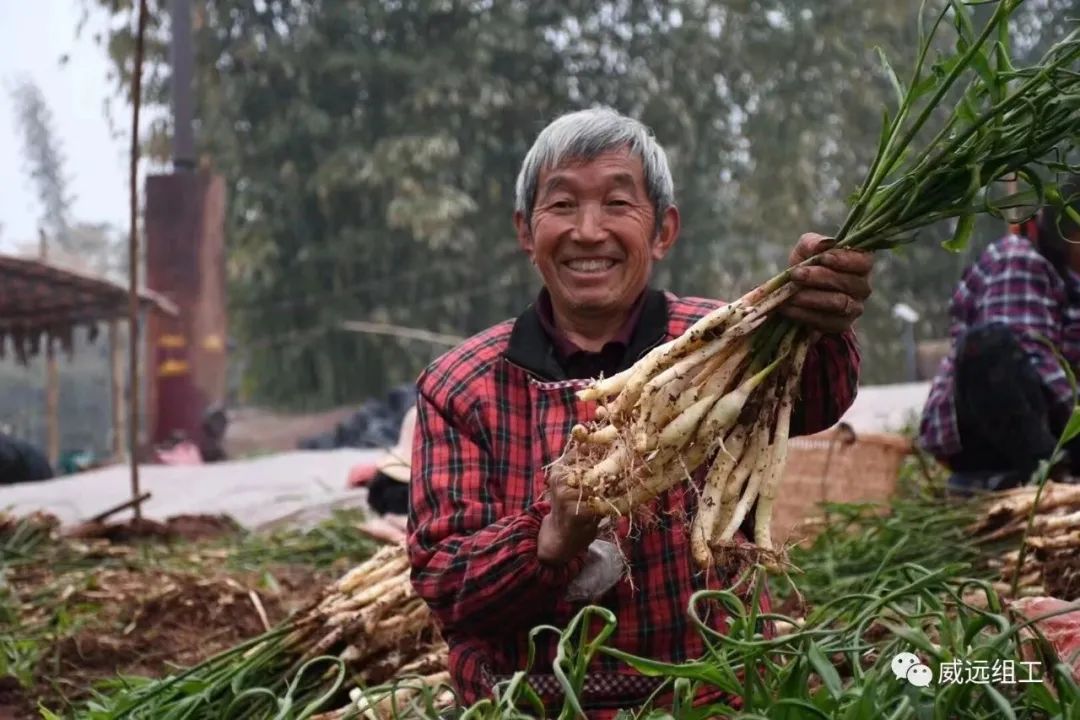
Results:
x,y
45,160
371,148
102,249
371,166
95,246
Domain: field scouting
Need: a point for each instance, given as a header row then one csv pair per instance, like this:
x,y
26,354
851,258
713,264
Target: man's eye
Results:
x,y
618,203
562,205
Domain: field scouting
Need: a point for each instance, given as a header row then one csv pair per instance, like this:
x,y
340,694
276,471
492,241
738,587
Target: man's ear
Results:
x,y
669,233
524,234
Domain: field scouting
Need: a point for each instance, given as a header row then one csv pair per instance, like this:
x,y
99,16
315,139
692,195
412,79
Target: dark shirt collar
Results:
x,y
533,348
566,348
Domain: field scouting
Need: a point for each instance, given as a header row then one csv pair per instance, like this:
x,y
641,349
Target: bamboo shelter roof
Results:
x,y
41,300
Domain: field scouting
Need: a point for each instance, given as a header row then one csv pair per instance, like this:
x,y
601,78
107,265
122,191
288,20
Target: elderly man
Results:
x,y
494,550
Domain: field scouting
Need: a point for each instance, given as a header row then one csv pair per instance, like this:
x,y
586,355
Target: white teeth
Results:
x,y
590,265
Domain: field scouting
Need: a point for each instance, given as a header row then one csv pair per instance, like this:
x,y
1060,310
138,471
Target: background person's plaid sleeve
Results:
x,y
830,380
475,567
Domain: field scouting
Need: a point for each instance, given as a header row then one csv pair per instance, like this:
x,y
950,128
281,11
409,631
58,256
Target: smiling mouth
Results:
x,y
591,265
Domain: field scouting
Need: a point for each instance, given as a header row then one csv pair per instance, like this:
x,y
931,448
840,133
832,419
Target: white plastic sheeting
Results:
x,y
255,492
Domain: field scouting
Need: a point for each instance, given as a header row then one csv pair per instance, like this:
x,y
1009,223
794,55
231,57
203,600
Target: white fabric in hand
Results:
x,y
604,566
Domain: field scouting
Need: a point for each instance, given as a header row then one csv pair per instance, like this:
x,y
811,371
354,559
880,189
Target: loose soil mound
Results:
x,y
188,528
14,705
150,621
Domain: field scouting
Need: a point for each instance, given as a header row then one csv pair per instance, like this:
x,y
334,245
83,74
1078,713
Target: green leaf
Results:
x,y
824,668
976,625
1040,698
707,712
886,133
1039,187
703,672
796,683
683,695
981,63
1073,214
898,87
868,702
1001,54
801,708
916,638
1072,428
963,23
967,109
1003,705
965,224
925,86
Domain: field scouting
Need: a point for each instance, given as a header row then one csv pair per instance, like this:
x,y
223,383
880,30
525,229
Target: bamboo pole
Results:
x,y
376,328
133,502
116,389
52,404
52,380
133,265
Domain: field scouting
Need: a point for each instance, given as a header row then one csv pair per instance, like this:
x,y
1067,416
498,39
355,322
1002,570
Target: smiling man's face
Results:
x,y
593,235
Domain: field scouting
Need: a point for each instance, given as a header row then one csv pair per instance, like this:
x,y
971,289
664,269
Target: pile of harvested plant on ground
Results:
x,y
1050,563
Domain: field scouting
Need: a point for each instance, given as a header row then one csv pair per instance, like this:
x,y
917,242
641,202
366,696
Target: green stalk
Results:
x,y
884,161
891,210
876,178
876,212
994,112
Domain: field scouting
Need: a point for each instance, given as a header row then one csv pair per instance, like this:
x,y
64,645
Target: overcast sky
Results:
x,y
34,35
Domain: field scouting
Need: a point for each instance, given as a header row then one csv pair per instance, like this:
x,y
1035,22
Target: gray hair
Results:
x,y
586,134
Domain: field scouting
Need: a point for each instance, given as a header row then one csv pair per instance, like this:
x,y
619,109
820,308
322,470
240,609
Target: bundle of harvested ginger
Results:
x,y
723,391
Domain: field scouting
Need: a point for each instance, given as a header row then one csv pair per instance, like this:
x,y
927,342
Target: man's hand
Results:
x,y
568,529
831,293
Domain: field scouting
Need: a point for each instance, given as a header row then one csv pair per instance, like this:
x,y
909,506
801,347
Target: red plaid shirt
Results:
x,y
492,413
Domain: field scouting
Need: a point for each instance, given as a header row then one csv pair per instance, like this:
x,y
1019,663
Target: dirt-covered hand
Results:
x,y
832,293
568,529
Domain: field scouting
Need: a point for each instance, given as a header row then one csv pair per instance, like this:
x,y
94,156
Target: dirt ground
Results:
x,y
135,618
149,622
188,528
14,704
158,620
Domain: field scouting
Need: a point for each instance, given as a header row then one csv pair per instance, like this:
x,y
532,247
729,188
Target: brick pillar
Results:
x,y
185,261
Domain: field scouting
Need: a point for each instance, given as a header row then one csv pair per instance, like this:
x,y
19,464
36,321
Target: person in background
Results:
x,y
1001,398
214,426
21,462
210,448
388,477
388,491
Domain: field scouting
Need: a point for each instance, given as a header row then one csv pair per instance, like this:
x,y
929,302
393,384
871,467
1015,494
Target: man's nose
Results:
x,y
590,226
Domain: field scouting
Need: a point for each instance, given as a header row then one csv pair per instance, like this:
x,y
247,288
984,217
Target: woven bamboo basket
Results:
x,y
835,466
